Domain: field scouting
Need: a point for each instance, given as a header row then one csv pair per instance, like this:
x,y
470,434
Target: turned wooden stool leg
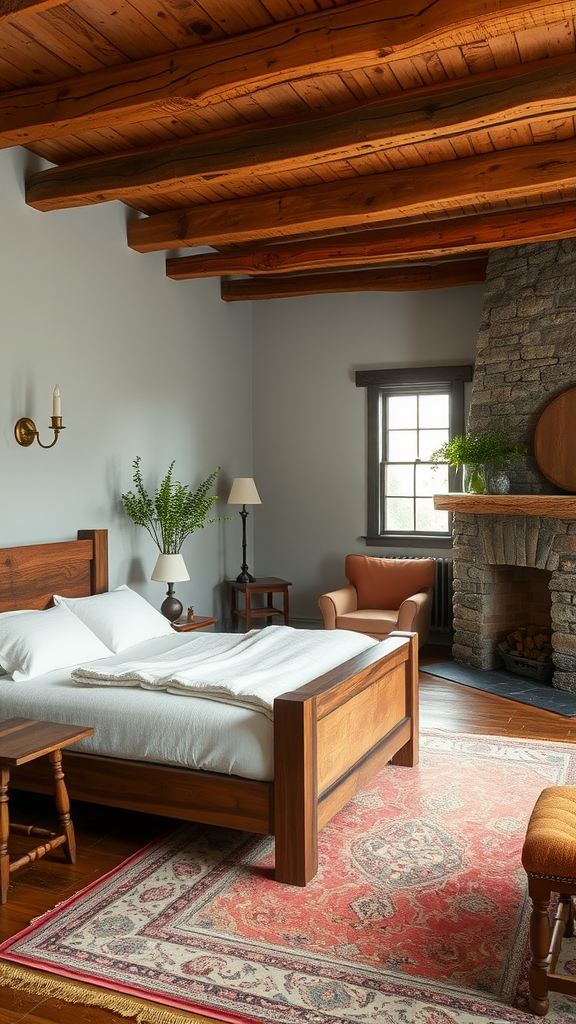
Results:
x,y
540,934
63,805
4,834
569,929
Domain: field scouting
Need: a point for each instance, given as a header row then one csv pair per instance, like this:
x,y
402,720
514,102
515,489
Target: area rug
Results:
x,y
418,914
506,684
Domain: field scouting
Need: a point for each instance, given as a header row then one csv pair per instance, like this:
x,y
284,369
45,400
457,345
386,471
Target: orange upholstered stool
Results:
x,y
549,857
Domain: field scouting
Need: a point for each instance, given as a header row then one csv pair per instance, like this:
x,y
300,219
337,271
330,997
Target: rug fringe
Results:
x,y
51,987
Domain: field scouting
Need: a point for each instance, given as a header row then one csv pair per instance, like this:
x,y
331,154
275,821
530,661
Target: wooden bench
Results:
x,y
549,857
21,740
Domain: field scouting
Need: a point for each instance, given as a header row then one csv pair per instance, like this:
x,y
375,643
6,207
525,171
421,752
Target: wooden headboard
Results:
x,y
30,575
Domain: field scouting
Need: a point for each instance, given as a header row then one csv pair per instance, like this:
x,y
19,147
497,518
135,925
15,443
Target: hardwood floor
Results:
x,y
105,837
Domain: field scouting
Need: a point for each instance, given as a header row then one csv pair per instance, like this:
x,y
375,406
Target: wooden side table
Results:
x,y
198,622
21,740
268,585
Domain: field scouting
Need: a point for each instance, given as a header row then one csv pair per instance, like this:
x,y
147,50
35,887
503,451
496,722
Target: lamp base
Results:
x,y
245,577
171,607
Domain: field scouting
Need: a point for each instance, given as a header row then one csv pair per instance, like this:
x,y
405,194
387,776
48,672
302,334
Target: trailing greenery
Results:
x,y
479,448
174,511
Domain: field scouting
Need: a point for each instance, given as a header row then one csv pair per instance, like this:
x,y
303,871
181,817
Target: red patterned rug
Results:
x,y
418,914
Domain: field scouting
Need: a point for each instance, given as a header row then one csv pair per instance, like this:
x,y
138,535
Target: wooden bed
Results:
x,y
330,736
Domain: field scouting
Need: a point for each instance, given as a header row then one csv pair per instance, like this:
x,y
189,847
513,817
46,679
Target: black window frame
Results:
x,y
380,384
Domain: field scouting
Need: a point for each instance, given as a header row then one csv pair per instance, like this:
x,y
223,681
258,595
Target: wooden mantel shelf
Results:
x,y
560,506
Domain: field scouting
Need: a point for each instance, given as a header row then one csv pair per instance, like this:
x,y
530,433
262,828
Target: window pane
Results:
x,y
431,479
430,440
434,411
428,518
399,480
402,411
402,445
399,514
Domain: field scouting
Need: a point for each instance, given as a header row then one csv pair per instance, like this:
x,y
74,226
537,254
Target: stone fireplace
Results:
x,y
519,568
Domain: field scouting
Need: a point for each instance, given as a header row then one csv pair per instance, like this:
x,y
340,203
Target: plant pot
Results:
x,y
497,479
474,478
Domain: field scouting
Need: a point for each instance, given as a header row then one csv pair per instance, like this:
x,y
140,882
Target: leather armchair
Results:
x,y
382,595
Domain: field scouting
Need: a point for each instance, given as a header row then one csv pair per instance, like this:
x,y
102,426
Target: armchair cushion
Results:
x,y
376,623
387,582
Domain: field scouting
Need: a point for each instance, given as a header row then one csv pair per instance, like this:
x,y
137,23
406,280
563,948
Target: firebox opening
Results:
x,y
520,598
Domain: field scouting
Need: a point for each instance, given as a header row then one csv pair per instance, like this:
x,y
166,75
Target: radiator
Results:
x,y
441,621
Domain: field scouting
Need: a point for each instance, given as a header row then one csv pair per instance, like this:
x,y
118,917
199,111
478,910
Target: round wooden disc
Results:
x,y
555,441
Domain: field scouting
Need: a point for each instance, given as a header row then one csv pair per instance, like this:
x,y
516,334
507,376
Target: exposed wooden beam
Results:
x,y
374,199
442,275
367,32
486,101
12,8
424,240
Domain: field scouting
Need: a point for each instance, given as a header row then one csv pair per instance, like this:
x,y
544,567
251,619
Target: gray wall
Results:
x,y
310,418
146,366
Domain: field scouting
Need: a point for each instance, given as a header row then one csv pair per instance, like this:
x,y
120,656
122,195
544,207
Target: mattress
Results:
x,y
144,725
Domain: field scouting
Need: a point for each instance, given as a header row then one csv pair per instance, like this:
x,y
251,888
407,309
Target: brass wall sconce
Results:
x,y
25,430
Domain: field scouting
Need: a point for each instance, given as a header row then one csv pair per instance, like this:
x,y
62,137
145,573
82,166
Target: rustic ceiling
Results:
x,y
314,145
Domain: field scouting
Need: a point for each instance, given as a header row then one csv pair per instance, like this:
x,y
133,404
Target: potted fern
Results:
x,y
170,515
484,458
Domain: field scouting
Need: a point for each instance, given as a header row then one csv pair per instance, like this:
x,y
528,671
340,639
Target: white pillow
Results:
x,y
120,618
35,642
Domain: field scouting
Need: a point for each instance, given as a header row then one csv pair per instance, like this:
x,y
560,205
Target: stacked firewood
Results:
x,y
531,642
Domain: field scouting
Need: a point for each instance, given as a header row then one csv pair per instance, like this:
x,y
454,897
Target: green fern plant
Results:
x,y
173,512
482,447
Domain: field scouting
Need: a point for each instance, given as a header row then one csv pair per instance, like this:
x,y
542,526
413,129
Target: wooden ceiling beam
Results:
x,y
488,100
373,199
347,38
424,240
441,275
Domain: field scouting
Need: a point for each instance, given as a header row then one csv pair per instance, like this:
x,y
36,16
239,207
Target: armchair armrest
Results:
x,y
414,614
338,602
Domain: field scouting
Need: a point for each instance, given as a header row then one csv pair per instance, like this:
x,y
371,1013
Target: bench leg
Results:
x,y
63,805
569,929
540,936
4,834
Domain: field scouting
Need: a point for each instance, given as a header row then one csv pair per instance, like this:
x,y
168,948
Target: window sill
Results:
x,y
410,540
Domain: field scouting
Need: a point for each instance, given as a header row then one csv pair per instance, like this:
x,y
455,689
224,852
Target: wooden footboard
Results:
x,y
331,737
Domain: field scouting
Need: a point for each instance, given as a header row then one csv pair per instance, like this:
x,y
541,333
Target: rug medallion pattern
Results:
x,y
418,914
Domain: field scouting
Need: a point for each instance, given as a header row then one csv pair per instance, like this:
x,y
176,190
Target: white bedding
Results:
x,y
248,670
141,724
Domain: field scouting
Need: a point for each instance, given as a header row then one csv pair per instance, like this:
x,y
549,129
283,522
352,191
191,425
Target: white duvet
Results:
x,y
246,670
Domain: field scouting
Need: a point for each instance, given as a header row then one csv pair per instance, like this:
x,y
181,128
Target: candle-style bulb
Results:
x,y
56,402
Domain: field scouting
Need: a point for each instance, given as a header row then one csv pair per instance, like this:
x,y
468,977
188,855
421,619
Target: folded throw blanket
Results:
x,y
248,670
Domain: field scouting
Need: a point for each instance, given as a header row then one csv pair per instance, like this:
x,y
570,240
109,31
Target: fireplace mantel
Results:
x,y
558,506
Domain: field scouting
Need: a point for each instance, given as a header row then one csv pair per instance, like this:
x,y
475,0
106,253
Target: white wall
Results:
x,y
310,418
146,366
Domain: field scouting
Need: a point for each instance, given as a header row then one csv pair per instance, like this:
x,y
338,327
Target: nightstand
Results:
x,y
268,585
198,622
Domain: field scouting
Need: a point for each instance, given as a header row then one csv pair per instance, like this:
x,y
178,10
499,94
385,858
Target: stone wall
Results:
x,y
526,357
526,353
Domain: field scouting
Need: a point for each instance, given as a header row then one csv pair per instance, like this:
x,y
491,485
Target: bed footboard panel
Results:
x,y
330,739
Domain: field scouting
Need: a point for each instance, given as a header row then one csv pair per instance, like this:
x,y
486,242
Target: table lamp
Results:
x,y
170,569
244,493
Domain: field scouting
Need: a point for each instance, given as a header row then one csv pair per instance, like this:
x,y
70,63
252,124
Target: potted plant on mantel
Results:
x,y
170,515
484,456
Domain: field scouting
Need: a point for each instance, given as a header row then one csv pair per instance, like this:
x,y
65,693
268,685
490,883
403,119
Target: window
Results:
x,y
410,414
